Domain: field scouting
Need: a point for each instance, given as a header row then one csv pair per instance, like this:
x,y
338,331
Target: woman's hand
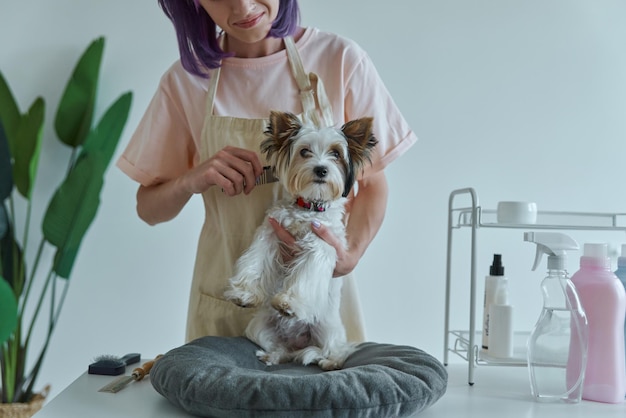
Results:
x,y
345,261
367,211
234,170
288,247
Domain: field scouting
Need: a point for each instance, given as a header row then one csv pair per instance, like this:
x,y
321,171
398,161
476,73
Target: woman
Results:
x,y
201,135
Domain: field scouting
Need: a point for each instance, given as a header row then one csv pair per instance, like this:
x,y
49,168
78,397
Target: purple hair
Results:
x,y
197,33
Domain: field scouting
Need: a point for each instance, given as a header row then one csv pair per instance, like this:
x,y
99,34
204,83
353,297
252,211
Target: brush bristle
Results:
x,y
107,358
107,365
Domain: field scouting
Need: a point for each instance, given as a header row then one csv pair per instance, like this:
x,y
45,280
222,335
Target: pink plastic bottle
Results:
x,y
603,297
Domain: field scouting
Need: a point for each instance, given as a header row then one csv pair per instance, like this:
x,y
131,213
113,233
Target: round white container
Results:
x,y
517,212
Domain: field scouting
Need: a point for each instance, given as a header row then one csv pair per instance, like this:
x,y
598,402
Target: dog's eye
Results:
x,y
335,154
304,152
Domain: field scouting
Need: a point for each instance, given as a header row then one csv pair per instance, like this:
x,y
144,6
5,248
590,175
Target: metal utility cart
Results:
x,y
476,218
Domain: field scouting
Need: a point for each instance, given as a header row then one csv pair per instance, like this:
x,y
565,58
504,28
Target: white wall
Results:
x,y
522,100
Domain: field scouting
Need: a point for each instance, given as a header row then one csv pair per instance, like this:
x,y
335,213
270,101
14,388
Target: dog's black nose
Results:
x,y
320,171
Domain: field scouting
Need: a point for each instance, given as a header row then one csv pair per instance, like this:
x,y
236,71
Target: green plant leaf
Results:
x,y
6,175
27,146
4,226
106,135
75,113
12,258
72,209
8,311
9,111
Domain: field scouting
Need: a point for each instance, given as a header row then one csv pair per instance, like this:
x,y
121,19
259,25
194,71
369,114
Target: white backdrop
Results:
x,y
522,100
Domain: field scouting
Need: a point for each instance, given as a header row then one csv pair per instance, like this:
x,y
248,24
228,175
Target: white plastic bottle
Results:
x,y
501,324
495,277
556,371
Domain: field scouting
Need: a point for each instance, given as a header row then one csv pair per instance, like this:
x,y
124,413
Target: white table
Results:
x,y
505,392
81,399
498,392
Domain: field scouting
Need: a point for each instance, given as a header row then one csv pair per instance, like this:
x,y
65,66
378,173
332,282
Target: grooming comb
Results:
x,y
268,176
121,382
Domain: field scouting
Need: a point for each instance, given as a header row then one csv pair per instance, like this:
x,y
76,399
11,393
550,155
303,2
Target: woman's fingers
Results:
x,y
288,247
232,169
247,167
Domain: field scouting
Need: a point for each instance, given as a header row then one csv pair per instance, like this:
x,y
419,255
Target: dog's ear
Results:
x,y
361,142
350,179
282,127
283,123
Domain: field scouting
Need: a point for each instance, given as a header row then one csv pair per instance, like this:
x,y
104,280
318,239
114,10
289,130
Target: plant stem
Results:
x,y
9,351
38,308
26,230
9,369
72,161
19,358
53,296
11,212
5,366
16,267
32,376
32,277
61,302
19,264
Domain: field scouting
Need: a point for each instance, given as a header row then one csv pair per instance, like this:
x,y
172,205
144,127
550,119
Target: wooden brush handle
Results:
x,y
141,372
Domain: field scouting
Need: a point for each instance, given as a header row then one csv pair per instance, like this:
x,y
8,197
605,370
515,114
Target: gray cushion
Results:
x,y
221,377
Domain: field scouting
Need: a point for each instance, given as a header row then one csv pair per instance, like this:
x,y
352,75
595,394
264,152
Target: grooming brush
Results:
x,y
121,382
112,365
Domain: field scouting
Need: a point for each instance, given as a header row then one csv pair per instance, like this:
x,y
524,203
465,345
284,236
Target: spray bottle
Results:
x,y
556,371
493,281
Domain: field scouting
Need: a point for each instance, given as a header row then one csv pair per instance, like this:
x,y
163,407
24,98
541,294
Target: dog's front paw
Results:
x,y
264,357
242,296
270,359
282,303
329,364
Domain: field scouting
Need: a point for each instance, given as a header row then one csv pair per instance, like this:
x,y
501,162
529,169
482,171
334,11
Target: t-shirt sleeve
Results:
x,y
162,147
366,95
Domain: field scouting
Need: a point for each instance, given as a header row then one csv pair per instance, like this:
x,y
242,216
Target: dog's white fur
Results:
x,y
298,317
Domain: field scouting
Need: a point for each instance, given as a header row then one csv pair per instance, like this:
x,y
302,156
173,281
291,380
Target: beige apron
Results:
x,y
230,222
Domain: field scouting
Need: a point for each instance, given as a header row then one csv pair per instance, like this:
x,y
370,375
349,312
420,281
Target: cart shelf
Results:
x,y
474,217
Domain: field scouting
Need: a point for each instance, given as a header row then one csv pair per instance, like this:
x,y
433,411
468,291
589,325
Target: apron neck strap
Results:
x,y
308,84
214,78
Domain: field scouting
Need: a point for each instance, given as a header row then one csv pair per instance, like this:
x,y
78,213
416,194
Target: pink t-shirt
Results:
x,y
167,141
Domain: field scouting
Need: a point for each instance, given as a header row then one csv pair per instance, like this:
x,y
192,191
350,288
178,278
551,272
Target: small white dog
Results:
x,y
298,317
